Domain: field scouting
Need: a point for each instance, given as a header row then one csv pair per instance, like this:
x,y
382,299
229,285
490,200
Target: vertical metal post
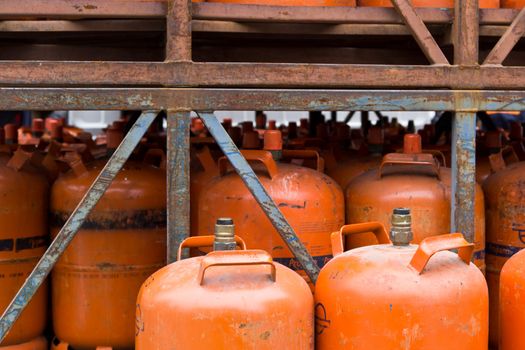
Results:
x,y
75,221
466,47
463,174
466,32
178,31
178,173
267,204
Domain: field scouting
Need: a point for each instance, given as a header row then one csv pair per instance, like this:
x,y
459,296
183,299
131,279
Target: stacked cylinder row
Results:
x,y
321,175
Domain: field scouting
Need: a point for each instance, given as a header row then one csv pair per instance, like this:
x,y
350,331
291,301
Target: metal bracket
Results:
x,y
75,221
267,204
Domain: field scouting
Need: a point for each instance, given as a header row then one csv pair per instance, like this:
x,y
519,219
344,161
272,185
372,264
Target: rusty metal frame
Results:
x,y
420,32
180,85
507,42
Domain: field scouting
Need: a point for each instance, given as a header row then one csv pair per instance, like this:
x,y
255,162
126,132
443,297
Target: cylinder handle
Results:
x,y
264,157
204,241
236,258
431,245
411,159
375,227
305,154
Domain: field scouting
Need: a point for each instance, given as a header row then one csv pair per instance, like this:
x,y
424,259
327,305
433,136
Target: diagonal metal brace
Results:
x,y
420,32
507,42
267,204
75,221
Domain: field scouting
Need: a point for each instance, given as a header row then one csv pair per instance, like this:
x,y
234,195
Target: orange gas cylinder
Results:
x,y
311,202
23,235
490,144
123,240
228,299
516,139
291,2
344,170
414,180
513,4
39,343
205,169
505,200
401,296
512,303
427,3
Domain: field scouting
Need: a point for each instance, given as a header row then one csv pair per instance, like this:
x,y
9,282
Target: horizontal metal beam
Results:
x,y
377,15
82,8
258,99
262,75
61,9
94,25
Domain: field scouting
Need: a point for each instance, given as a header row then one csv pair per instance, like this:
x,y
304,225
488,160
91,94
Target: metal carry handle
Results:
x,y
410,159
440,156
500,160
204,241
264,157
375,227
431,245
236,258
206,160
305,154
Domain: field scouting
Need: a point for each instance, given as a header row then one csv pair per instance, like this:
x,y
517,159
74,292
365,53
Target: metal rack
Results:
x,y
180,85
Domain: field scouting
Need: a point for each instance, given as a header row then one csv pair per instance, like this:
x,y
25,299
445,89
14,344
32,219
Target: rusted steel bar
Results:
x,y
507,42
258,99
61,9
82,9
466,32
463,174
260,75
178,31
247,13
267,204
75,221
420,32
178,173
353,15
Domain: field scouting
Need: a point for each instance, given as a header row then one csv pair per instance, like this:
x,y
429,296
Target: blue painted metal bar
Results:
x,y
178,180
267,204
463,174
75,221
258,99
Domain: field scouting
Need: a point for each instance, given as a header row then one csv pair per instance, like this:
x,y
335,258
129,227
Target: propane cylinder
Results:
x,y
344,170
122,241
228,299
401,296
23,237
516,139
512,303
206,170
505,200
415,180
513,4
492,144
311,202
